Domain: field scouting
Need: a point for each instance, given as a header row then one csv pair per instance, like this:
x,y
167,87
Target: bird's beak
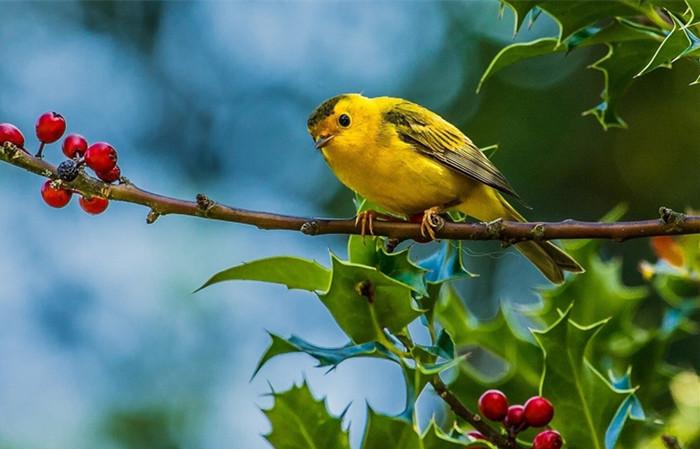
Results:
x,y
323,141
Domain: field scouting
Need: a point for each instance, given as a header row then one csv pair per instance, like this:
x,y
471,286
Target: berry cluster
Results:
x,y
537,412
101,157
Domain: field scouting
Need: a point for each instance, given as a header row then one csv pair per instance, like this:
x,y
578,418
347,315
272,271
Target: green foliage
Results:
x,y
290,271
301,422
640,37
375,294
586,402
364,301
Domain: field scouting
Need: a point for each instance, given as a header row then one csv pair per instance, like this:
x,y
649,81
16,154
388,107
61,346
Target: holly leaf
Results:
x,y
575,15
365,301
300,421
679,42
496,336
598,294
520,9
446,263
290,271
382,432
396,265
331,357
586,402
619,66
514,53
631,408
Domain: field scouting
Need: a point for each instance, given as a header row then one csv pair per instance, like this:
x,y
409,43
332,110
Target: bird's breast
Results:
x,y
395,176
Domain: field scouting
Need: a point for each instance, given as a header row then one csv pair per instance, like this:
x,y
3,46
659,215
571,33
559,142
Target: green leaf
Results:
x,y
575,15
364,301
598,294
679,42
397,265
324,356
520,9
387,432
694,10
518,52
630,408
586,402
299,421
496,336
446,263
619,66
290,271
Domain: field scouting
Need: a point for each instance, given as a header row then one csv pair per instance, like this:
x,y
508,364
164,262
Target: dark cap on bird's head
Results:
x,y
324,110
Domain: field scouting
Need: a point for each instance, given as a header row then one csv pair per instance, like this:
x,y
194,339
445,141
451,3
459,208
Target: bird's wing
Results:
x,y
435,137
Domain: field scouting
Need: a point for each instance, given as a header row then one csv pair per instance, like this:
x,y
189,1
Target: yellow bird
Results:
x,y
409,160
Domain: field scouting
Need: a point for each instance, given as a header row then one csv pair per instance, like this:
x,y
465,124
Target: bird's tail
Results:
x,y
551,260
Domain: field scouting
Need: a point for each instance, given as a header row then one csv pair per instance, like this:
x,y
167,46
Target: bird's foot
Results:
x,y
365,221
431,222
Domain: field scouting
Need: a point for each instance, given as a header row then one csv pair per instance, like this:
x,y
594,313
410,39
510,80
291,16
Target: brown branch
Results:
x,y
670,222
670,442
472,418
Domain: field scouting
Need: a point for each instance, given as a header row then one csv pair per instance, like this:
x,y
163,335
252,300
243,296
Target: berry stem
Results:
x,y
39,154
472,418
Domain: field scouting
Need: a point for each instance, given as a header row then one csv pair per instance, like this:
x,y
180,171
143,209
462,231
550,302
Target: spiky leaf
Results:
x,y
290,271
299,421
365,301
586,403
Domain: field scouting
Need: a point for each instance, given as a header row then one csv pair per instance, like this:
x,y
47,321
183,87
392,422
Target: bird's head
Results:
x,y
340,120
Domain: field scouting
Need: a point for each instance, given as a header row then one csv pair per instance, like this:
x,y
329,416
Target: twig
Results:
x,y
670,442
669,223
472,418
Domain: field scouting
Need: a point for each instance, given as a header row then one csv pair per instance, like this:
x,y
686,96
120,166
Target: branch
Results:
x,y
670,442
669,223
472,418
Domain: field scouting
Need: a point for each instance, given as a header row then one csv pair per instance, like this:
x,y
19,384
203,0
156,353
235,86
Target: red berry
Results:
x,y
101,157
493,405
50,126
515,418
547,439
10,133
110,176
55,196
74,145
538,411
94,205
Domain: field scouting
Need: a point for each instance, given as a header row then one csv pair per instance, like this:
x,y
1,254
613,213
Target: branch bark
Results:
x,y
669,222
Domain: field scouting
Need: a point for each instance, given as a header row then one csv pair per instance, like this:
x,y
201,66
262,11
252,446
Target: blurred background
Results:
x,y
103,344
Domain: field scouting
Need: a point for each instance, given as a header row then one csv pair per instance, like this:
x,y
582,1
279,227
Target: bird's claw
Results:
x,y
365,220
432,221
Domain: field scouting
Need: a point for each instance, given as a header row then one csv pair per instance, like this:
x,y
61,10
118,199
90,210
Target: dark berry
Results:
x,y
10,133
101,157
538,411
94,205
515,418
74,145
55,196
493,405
50,127
110,176
68,170
547,439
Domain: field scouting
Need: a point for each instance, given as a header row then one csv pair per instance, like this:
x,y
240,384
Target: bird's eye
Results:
x,y
344,120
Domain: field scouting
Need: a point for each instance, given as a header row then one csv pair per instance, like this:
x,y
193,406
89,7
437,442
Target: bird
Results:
x,y
410,161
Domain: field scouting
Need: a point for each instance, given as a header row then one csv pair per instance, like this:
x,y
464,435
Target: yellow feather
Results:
x,y
408,159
